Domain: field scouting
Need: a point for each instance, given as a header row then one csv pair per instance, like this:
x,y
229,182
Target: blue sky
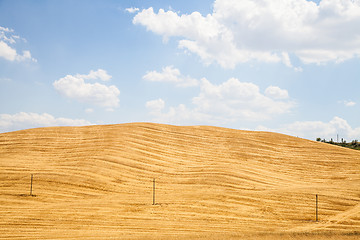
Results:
x,y
285,66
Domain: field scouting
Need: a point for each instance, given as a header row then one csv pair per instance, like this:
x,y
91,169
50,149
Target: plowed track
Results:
x,y
95,182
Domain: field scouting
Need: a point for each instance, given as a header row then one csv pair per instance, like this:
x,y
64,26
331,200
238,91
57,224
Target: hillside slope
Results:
x,y
96,182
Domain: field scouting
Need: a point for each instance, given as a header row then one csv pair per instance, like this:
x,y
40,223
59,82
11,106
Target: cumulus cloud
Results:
x,y
266,31
286,60
24,120
155,106
348,103
228,102
315,129
276,93
240,100
170,74
98,74
7,39
7,52
96,93
132,10
177,115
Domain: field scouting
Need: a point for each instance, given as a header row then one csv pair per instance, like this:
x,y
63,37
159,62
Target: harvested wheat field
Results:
x,y
96,182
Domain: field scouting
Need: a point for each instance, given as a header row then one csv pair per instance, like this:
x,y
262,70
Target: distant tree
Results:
x,y
354,144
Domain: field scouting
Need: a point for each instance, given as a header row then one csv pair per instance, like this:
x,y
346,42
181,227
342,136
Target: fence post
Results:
x,y
31,185
154,191
317,219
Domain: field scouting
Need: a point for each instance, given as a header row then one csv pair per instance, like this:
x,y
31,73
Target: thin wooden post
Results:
x,y
31,185
317,219
154,191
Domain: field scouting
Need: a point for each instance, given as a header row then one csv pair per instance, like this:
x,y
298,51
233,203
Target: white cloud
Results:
x,y
348,103
132,10
98,74
25,56
177,115
170,74
240,100
24,120
314,129
228,102
155,106
94,93
4,29
266,31
286,60
276,93
9,53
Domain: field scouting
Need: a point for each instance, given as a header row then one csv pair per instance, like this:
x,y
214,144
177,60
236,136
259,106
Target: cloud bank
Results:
x,y
228,102
263,30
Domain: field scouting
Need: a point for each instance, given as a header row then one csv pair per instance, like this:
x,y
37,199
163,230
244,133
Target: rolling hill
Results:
x,y
96,182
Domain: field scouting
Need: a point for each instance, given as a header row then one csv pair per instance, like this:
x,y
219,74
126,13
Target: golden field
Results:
x,y
96,182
